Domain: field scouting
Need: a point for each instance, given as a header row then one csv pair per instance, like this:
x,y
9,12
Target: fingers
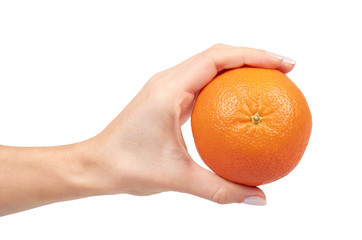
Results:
x,y
197,71
226,57
205,184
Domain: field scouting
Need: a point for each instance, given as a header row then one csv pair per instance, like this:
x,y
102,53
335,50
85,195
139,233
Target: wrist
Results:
x,y
93,176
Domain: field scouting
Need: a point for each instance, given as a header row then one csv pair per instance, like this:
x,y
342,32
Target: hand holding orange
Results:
x,y
251,125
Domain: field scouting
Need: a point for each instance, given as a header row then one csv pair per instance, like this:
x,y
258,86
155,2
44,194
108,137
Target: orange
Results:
x,y
251,125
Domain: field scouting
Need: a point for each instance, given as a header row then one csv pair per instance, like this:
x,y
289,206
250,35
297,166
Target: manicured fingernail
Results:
x,y
288,60
283,58
254,200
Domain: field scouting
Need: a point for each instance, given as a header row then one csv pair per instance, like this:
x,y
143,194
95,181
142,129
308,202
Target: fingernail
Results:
x,y
254,200
283,58
289,60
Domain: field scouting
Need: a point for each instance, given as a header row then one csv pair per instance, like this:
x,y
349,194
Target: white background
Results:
x,y
67,68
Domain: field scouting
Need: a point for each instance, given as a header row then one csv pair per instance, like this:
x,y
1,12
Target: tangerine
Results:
x,y
251,125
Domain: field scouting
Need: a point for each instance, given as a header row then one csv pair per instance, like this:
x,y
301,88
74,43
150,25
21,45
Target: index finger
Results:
x,y
200,69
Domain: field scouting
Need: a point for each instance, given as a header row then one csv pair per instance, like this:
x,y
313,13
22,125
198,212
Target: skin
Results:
x,y
141,152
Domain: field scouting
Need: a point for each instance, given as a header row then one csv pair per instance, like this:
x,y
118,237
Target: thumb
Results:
x,y
205,184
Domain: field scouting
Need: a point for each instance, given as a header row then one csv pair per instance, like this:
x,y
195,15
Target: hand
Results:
x,y
142,151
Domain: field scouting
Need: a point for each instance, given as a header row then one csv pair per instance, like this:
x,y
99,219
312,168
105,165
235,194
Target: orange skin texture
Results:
x,y
235,147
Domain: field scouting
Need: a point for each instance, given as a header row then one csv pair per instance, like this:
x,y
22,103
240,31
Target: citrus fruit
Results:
x,y
251,125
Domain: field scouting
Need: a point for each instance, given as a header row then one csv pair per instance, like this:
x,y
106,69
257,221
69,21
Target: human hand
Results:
x,y
142,151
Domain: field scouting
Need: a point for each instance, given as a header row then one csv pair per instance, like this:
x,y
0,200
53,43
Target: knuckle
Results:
x,y
159,78
219,45
220,196
213,48
206,56
158,75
